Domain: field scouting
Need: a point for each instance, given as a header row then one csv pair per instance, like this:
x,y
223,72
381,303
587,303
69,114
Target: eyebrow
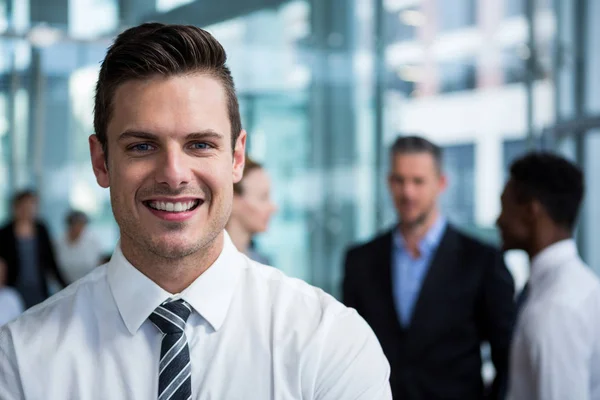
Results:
x,y
201,135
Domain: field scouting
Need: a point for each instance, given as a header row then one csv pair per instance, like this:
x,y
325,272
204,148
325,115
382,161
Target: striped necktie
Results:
x,y
175,370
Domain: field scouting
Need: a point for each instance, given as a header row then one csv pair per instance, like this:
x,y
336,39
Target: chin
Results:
x,y
168,246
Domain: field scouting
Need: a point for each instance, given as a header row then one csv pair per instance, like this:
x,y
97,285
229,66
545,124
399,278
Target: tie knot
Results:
x,y
171,316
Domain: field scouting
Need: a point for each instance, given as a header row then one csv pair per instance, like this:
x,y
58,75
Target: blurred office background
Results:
x,y
324,87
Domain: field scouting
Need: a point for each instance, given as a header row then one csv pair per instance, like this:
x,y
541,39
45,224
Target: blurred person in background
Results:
x,y
252,209
431,294
179,312
11,304
555,352
27,251
78,251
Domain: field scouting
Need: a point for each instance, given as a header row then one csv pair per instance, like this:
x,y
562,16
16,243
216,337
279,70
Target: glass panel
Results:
x,y
92,18
455,14
456,76
272,84
458,200
514,7
84,193
401,24
167,5
278,140
4,153
591,211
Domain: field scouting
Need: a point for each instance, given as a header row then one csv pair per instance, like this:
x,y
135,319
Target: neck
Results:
x,y
239,236
24,227
72,237
416,231
172,274
547,239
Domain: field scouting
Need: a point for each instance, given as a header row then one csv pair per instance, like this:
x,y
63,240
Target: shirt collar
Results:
x,y
431,239
552,257
210,294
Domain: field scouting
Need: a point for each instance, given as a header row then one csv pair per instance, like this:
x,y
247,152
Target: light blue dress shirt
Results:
x,y
408,273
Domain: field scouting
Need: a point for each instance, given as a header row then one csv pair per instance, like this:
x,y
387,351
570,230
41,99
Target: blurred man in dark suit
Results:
x,y
431,294
27,251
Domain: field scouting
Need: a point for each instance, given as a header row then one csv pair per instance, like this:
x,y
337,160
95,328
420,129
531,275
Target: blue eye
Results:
x,y
200,146
141,147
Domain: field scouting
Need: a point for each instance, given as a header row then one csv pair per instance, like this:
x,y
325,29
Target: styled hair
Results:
x,y
417,144
552,180
155,49
238,188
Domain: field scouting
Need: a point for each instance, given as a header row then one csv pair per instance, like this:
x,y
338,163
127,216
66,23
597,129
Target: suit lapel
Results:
x,y
385,260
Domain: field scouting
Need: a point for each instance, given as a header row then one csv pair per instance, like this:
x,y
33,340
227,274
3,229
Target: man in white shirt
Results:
x,y
555,352
78,252
178,312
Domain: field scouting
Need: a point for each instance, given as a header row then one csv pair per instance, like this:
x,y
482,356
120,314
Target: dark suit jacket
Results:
x,y
466,298
10,254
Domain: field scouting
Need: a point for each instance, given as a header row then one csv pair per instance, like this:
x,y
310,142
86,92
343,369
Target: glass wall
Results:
x,y
325,86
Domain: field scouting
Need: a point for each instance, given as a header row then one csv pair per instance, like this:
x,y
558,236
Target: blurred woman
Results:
x,y
252,209
78,251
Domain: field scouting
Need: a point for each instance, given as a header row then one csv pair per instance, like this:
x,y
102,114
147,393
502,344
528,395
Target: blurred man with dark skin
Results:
x,y
27,251
555,352
431,294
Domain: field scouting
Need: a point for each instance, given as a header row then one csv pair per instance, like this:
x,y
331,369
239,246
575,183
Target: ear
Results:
x,y
443,183
99,162
239,157
535,209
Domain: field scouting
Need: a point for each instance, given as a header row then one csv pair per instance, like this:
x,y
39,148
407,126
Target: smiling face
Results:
x,y
170,164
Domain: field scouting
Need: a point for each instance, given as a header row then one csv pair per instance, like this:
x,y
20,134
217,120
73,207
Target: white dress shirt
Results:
x,y
254,333
78,259
555,353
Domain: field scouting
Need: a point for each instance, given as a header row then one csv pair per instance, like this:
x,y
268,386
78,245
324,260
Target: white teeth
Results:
x,y
172,207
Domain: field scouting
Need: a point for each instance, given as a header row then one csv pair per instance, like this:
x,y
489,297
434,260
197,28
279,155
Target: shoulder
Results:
x,y
279,287
310,322
575,289
471,244
57,314
572,303
293,300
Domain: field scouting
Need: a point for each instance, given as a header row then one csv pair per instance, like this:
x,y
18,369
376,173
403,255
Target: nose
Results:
x,y
173,170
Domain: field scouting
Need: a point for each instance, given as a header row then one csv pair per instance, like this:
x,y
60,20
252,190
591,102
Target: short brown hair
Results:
x,y
416,144
154,49
249,165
